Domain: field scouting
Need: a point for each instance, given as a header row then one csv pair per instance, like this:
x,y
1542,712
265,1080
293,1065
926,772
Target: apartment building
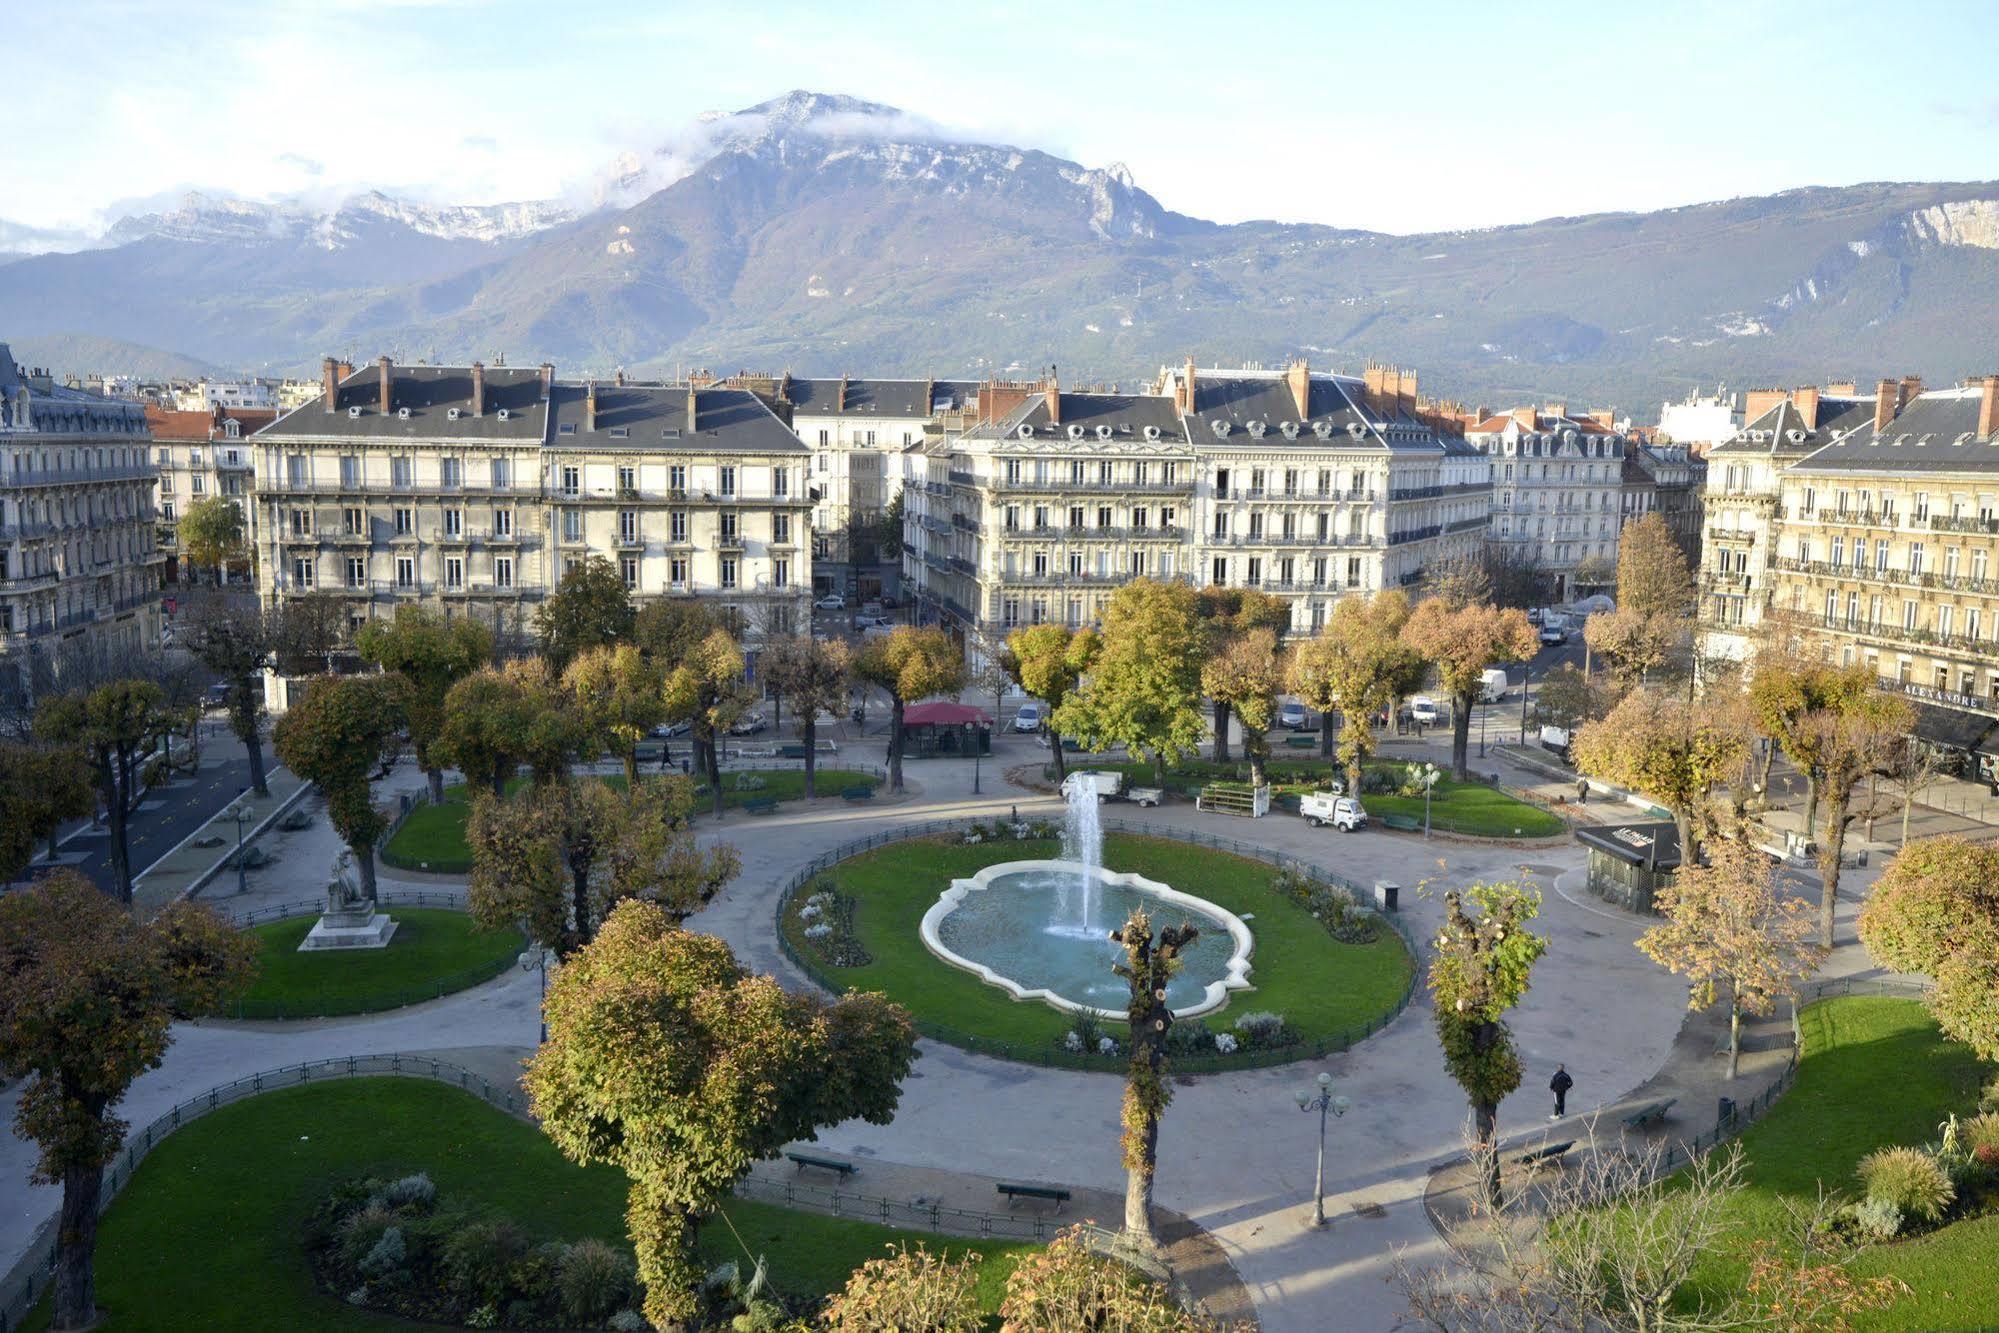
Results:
x,y
477,489
1664,479
79,561
1700,421
199,454
1557,491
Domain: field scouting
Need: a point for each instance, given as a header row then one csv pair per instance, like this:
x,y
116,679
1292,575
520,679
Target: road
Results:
x,y
168,814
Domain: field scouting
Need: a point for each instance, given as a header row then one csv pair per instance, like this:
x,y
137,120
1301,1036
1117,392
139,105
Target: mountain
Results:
x,y
79,352
827,234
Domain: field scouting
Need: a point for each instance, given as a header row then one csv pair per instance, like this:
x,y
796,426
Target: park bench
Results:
x,y
789,751
1547,1156
1654,1113
858,794
1406,823
1013,1192
805,1159
760,805
1300,742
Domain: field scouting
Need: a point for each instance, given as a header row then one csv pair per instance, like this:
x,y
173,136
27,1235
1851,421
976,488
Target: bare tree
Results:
x,y
1911,770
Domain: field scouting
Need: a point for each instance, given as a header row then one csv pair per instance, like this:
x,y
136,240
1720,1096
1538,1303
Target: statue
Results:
x,y
350,920
343,891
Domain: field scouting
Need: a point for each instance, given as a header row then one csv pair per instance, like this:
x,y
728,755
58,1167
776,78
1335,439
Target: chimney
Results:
x,y
1606,417
1806,399
1524,417
693,408
329,384
843,394
547,380
478,388
1052,393
1187,389
1911,386
1299,377
385,367
1759,401
1558,409
1988,405
1405,394
1841,388
1886,405
590,405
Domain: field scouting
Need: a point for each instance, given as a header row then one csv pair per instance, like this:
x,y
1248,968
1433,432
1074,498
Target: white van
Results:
x,y
1321,808
1492,685
1426,710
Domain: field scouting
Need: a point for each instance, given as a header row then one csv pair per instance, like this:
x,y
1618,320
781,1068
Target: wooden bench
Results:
x,y
858,794
1541,1157
1406,823
805,1159
1300,742
1013,1192
760,805
791,752
1654,1113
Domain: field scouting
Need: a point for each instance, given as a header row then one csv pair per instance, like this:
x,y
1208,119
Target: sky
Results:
x,y
1402,117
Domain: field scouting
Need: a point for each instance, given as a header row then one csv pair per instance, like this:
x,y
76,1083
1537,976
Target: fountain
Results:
x,y
1040,930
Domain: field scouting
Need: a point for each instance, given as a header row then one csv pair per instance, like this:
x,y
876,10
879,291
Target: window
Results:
x,y
628,525
302,572
1915,557
628,481
676,479
503,571
1839,550
628,567
295,469
1946,615
1219,576
728,571
503,473
1011,521
677,525
780,573
1255,576
405,522
728,486
728,527
450,473
1040,564
1256,525
1881,554
399,472
503,522
405,571
1922,506
454,523
194,458
572,479
1138,564
1010,611
1221,527
780,529
1040,517
780,482
454,571
1075,472
1318,575
823,442
357,572
676,570
196,481
572,525
1075,564
1908,615
301,522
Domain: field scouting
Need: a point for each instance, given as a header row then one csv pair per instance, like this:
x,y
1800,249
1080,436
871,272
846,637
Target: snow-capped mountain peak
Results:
x,y
203,218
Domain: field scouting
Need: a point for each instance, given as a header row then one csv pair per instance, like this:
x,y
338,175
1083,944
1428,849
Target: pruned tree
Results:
x,y
1789,687
1668,748
333,736
431,654
909,664
707,691
1568,698
211,532
619,696
1356,667
113,726
1460,581
668,631
1148,966
41,787
1911,770
1480,966
1935,912
88,995
310,630
1228,615
1729,923
813,674
1461,642
911,1289
590,608
664,1058
1143,690
1844,746
236,640
1049,661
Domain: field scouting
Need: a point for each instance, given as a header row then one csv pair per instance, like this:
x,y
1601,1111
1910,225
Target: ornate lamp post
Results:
x,y
536,960
1429,774
1322,1101
239,814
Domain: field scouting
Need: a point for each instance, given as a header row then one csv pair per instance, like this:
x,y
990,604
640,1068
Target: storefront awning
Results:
x,y
1655,846
1955,729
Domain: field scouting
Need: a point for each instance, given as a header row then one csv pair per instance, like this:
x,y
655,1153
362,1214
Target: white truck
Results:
x,y
1492,685
1110,785
1321,808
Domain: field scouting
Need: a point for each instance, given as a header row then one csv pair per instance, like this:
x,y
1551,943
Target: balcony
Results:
x,y
1898,577
729,541
962,478
1765,502
1467,524
1921,638
630,541
74,476
1981,526
1414,535
1398,494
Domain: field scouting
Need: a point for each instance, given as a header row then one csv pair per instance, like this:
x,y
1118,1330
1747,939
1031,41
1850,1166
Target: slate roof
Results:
x,y
1835,415
429,392
1238,400
877,398
1936,432
1127,416
654,417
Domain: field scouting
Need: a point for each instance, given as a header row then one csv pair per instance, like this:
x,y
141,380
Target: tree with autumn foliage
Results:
x,y
1729,923
1229,615
333,737
1049,661
1143,690
590,608
1356,667
1787,688
498,718
112,725
619,696
430,653
1935,912
1843,747
41,787
1461,641
666,1059
88,994
211,532
908,665
1655,594
1667,748
707,691
1246,671
813,674
1480,966
1067,1286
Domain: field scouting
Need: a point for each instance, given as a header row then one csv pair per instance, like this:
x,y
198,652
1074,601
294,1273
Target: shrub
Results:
x,y
1981,1138
1988,1096
1378,782
596,1280
1910,1179
480,1257
911,1289
384,1262
1088,1030
1066,1287
1260,1030
415,1191
629,1321
1878,1219
358,1234
1225,1043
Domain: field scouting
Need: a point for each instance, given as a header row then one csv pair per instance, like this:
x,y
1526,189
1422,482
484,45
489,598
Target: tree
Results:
x,y
1843,747
1480,967
1228,614
1049,661
1244,675
498,718
669,631
1460,581
1652,574
620,695
310,629
1728,923
1911,770
1789,687
1068,1286
112,725
333,737
87,997
1935,911
1668,748
1148,966
1143,690
997,670
666,1059
1357,666
590,608
707,691
1568,698
1461,642
431,654
235,640
41,786
211,531
1517,577
813,674
909,664
909,1290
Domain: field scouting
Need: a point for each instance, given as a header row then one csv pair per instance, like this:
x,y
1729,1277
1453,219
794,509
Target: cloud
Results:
x,y
480,143
301,162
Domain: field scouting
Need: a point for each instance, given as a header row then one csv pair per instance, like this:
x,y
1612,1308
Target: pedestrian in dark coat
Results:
x,y
1560,1085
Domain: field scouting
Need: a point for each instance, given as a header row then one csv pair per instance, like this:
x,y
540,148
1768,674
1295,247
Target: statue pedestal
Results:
x,y
361,927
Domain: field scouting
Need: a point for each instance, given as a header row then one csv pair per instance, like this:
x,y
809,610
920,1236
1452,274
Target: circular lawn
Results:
x,y
434,951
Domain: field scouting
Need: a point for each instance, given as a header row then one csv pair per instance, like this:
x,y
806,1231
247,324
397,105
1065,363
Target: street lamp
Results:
x,y
240,814
973,731
1429,774
536,960
1322,1101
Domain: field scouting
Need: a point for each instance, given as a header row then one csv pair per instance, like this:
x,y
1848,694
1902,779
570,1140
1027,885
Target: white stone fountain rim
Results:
x,y
1236,976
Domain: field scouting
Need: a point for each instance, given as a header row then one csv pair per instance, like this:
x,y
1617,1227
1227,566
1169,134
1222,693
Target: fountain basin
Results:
x,y
1014,926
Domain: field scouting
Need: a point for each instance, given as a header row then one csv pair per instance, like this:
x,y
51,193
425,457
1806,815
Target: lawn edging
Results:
x,y
1055,1056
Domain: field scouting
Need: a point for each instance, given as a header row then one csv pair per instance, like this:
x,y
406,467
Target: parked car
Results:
x,y
1425,710
1321,808
871,621
1553,634
1294,716
833,602
1492,685
1031,715
1533,615
666,731
749,724
218,695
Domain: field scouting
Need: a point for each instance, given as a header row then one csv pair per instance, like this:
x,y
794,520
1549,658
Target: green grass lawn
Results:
x,y
1875,1072
433,837
1455,807
209,1233
433,952
1322,987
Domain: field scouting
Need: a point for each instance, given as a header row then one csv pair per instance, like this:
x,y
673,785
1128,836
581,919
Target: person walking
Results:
x,y
1582,791
1560,1085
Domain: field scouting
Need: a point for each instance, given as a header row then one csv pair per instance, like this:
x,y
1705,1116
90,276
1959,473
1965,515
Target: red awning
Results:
x,y
943,713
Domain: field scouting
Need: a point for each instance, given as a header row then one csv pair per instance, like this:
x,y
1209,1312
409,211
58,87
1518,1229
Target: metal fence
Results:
x,y
1058,1056
450,899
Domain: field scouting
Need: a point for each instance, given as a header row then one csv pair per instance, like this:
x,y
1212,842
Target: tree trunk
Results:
x,y
809,733
117,811
895,743
1138,1186
1683,824
1485,1118
55,852
1258,772
1221,731
1811,804
579,900
1159,766
1055,745
1461,736
1908,800
631,758
1873,803
1326,733
253,745
1734,1032
500,773
436,776
1769,761
1829,849
76,1248
364,862
712,749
